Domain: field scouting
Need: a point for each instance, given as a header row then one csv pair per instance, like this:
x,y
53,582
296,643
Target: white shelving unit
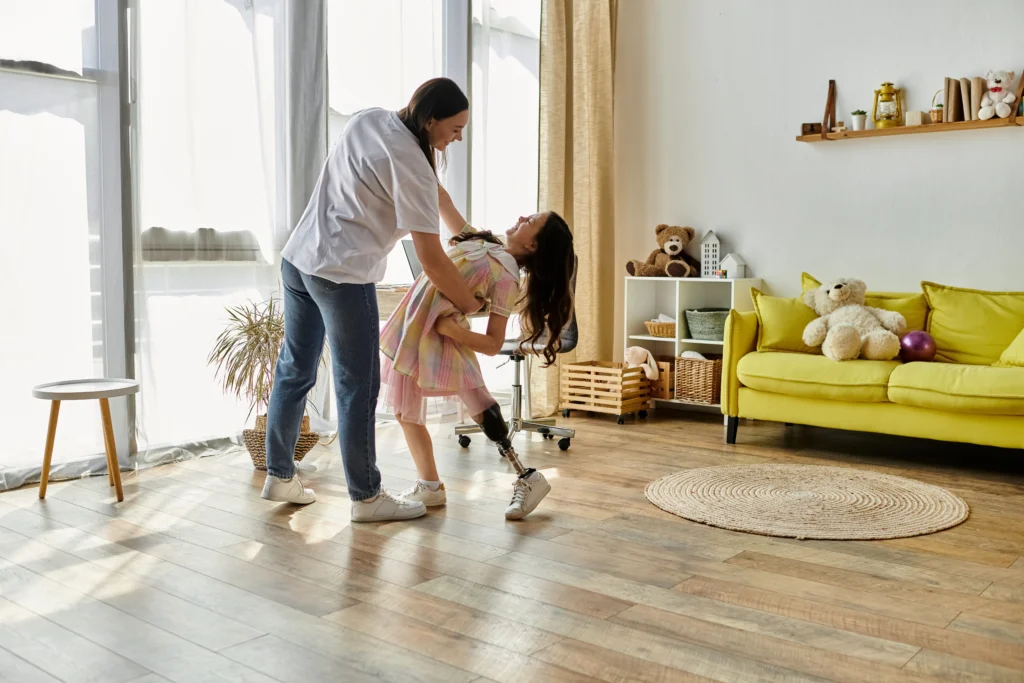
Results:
x,y
646,297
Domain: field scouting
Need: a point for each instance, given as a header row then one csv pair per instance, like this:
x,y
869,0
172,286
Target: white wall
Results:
x,y
710,94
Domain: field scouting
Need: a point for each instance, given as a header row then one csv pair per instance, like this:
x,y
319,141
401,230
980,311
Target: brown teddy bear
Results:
x,y
671,259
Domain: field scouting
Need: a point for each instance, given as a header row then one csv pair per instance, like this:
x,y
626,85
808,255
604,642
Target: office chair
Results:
x,y
544,426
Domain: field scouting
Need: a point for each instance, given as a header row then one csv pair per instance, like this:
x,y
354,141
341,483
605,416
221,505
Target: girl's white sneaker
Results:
x,y
424,494
527,493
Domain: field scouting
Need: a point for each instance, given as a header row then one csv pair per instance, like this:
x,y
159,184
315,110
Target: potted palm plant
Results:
x,y
245,355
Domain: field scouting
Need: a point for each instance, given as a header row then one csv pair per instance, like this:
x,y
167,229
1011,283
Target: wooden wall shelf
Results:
x,y
913,130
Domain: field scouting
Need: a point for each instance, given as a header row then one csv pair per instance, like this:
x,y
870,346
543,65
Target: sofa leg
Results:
x,y
731,425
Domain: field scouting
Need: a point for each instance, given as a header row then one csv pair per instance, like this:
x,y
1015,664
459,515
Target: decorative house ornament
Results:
x,y
709,254
734,266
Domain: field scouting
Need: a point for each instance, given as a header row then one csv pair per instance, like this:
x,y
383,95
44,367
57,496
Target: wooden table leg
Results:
x,y
51,434
108,438
107,448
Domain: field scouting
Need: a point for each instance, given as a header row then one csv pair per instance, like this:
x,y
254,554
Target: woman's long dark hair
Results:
x,y
547,302
438,98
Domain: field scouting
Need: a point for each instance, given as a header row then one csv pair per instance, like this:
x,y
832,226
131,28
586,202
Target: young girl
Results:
x,y
430,351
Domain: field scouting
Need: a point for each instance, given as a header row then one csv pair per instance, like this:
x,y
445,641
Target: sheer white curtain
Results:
x,y
217,171
51,218
505,110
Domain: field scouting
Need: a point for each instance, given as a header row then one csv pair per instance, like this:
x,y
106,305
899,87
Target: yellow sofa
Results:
x,y
973,393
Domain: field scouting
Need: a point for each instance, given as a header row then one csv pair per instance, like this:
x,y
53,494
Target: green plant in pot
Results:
x,y
245,356
859,119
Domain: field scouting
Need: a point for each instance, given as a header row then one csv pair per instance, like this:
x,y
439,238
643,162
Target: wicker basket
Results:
x,y
256,441
660,329
699,381
707,324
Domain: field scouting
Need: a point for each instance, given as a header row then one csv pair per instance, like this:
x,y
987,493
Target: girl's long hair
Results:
x,y
438,98
546,305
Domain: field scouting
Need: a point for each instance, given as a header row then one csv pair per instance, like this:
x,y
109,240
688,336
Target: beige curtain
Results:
x,y
577,60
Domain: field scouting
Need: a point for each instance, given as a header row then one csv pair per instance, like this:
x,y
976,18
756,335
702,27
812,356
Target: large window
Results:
x,y
60,225
212,97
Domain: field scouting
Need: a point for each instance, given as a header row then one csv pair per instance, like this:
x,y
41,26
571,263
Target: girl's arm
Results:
x,y
488,344
449,214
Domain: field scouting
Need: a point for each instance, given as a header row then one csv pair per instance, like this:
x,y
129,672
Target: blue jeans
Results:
x,y
347,313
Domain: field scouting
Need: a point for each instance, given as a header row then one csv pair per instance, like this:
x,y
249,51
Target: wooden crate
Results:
x,y
602,387
665,385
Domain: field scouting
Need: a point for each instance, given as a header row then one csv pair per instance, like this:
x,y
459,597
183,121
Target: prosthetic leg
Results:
x,y
531,486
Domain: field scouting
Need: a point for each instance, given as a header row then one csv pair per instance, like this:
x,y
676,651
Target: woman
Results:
x,y
379,184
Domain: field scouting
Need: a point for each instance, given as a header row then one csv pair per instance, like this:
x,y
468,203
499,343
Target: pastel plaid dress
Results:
x,y
418,362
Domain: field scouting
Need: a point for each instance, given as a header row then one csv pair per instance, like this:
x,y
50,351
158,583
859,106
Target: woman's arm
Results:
x,y
449,214
488,344
443,274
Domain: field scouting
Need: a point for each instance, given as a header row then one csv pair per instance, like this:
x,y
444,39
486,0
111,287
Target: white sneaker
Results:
x,y
424,494
386,507
287,490
526,495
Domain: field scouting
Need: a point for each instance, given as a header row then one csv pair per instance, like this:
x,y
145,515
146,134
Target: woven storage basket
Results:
x,y
659,329
707,324
256,441
699,381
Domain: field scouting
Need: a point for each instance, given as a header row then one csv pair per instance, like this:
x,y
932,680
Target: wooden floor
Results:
x,y
194,578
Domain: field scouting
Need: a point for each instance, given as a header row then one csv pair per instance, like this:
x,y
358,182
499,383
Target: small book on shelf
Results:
x,y
978,86
965,98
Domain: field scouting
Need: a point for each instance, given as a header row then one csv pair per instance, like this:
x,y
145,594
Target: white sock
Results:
x,y
432,485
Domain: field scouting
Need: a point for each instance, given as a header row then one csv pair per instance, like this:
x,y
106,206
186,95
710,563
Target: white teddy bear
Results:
x,y
999,99
846,328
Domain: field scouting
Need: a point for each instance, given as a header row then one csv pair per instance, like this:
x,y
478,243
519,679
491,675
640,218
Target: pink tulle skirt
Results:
x,y
404,398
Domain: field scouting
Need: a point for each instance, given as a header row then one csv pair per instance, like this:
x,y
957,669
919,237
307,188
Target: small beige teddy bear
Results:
x,y
846,328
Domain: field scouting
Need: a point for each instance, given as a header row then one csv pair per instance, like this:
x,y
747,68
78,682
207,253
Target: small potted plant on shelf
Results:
x,y
859,118
245,356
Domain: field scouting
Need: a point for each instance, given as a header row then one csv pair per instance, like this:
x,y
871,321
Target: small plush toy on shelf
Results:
x,y
670,258
999,98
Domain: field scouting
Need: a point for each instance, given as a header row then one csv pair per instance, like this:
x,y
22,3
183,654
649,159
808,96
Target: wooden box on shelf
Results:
x,y
699,381
665,386
603,387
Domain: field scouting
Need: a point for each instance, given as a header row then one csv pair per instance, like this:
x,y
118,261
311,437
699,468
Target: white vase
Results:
x,y
858,121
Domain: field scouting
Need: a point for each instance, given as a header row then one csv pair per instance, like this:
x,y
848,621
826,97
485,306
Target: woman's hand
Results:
x,y
447,326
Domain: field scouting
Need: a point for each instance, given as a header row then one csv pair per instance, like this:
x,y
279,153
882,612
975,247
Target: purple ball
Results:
x,y
917,346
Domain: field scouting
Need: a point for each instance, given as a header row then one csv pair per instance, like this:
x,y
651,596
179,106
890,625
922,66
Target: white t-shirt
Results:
x,y
376,187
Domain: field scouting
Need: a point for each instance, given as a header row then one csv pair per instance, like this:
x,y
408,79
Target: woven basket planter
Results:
x,y
699,381
256,441
707,324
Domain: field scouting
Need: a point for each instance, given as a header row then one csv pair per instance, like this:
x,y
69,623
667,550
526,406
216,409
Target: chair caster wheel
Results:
x,y
642,414
565,413
563,444
464,441
549,437
621,419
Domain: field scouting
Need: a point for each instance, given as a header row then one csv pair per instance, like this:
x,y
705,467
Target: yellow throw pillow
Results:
x,y
913,307
973,326
1013,356
781,323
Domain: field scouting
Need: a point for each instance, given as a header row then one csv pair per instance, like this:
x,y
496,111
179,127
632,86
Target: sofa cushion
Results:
x,y
913,307
972,326
959,388
781,323
798,374
1013,356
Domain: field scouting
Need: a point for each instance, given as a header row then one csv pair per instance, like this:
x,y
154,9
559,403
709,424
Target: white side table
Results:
x,y
85,390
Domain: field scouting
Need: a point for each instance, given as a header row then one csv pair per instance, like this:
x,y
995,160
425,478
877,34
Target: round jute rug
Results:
x,y
808,501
